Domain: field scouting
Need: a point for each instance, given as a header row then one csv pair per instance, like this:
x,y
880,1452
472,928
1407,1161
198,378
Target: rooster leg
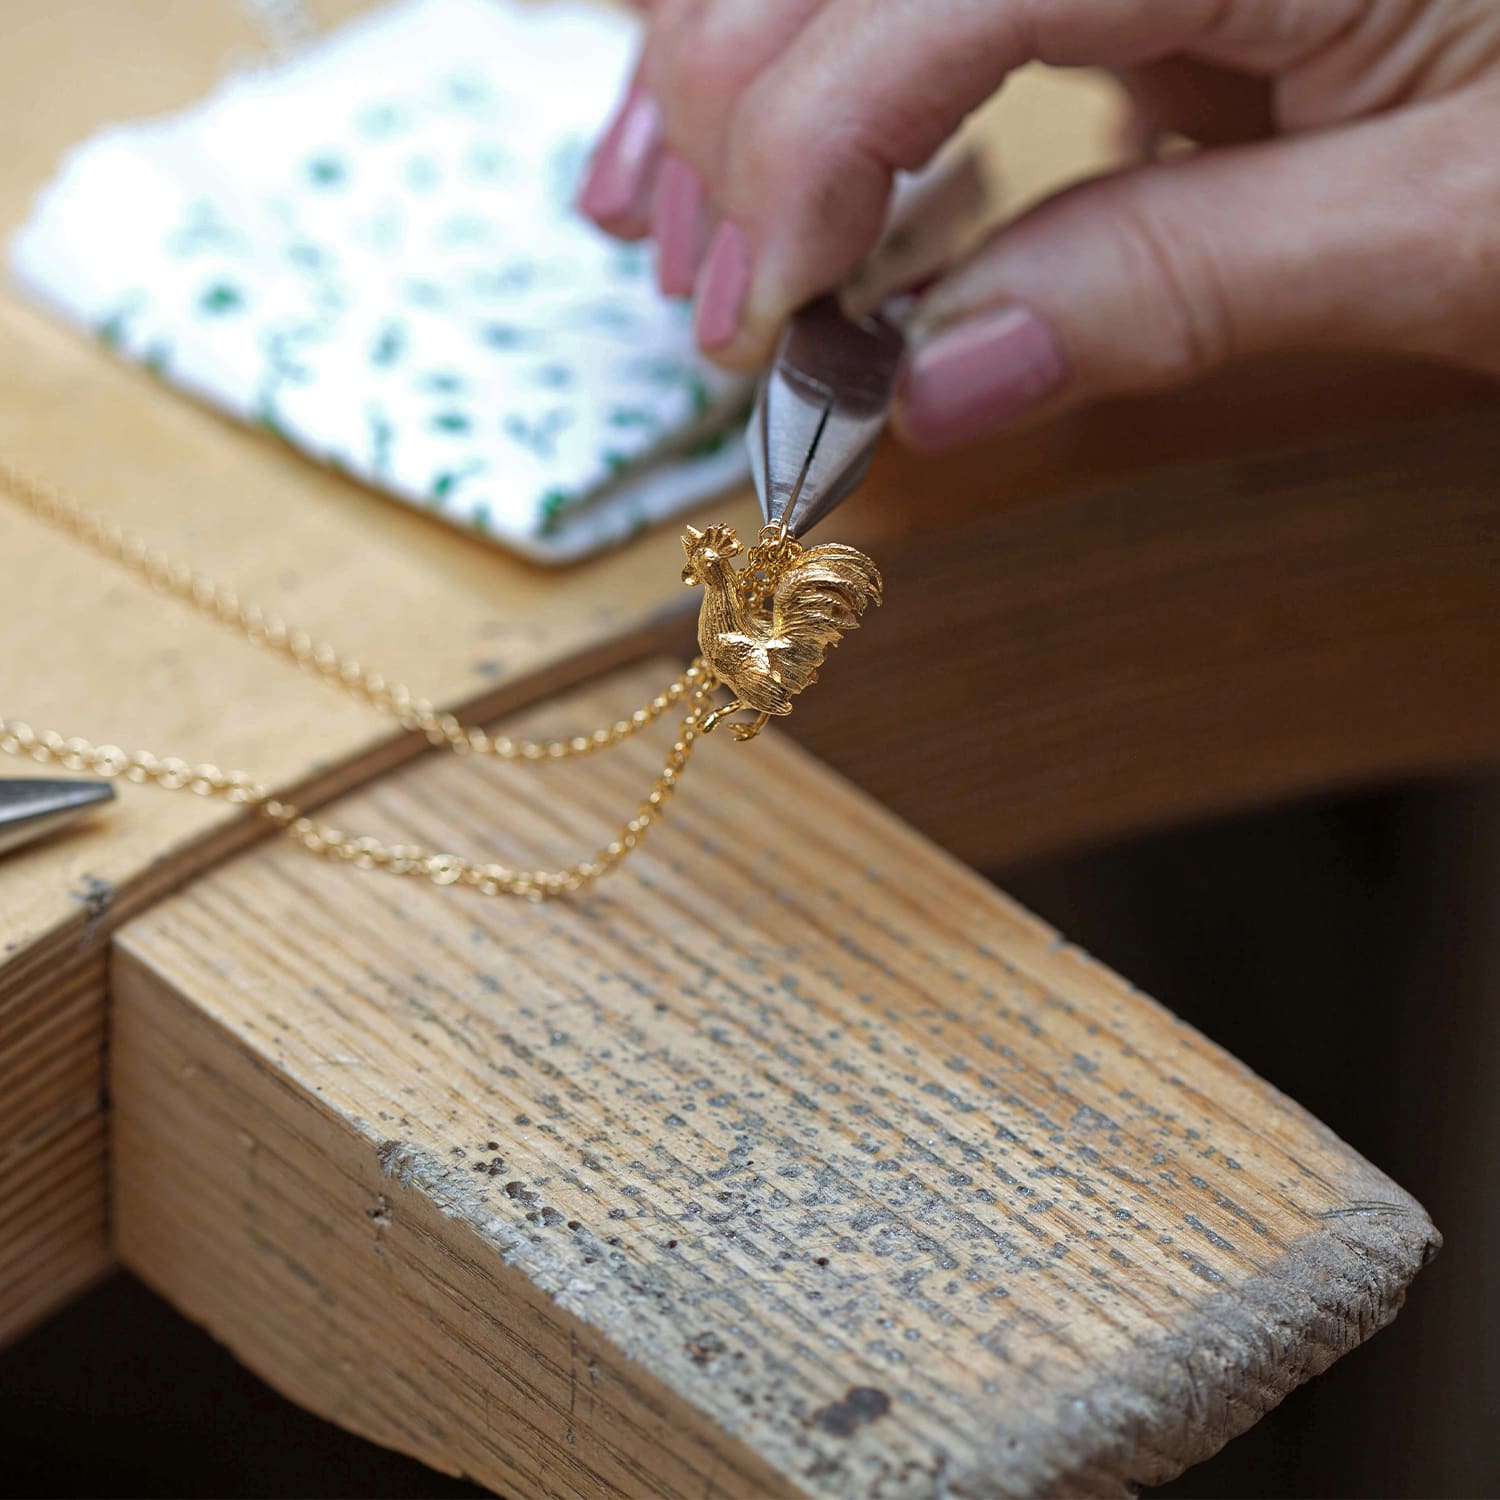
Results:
x,y
743,732
713,721
739,731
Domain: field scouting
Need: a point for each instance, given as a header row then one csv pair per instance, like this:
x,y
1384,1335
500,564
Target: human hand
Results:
x,y
1349,195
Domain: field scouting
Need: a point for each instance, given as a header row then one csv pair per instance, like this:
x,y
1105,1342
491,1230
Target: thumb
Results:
x,y
1381,235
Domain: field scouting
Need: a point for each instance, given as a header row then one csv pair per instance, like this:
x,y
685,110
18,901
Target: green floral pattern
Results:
x,y
371,252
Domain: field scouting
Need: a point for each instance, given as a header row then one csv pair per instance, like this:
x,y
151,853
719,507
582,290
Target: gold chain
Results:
x,y
261,628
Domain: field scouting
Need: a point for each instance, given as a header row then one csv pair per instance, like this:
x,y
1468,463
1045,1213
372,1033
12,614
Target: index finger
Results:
x,y
869,87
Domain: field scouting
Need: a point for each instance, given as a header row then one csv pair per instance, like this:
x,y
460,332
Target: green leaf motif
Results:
x,y
382,438
486,162
502,336
452,421
268,419
111,331
551,506
306,256
540,435
327,171
466,89
663,370
447,481
698,393
632,416
220,299
606,315
205,230
380,120
390,344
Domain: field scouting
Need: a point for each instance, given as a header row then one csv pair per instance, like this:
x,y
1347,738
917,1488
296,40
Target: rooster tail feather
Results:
x,y
832,581
818,600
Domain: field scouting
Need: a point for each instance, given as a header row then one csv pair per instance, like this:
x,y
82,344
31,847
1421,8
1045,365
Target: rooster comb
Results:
x,y
719,539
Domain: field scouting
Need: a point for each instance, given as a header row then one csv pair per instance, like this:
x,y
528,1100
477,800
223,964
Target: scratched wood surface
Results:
x,y
798,1160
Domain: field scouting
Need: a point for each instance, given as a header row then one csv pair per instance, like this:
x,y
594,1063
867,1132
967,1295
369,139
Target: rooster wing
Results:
x,y
819,597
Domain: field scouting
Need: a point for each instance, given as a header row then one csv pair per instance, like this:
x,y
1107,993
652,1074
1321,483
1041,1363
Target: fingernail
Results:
x,y
677,215
722,285
620,173
980,376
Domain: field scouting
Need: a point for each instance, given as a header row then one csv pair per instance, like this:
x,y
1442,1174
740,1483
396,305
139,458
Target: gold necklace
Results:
x,y
763,631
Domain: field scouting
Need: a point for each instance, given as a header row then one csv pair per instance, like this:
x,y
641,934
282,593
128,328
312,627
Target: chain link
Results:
x,y
774,552
268,631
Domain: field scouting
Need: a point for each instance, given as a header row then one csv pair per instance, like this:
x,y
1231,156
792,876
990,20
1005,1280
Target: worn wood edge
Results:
x,y
1274,1334
1328,1294
1339,1297
1277,1330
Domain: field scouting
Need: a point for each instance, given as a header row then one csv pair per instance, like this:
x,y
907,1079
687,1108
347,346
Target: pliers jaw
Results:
x,y
31,808
819,411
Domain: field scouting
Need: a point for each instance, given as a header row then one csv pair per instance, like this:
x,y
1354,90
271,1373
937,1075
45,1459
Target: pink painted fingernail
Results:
x,y
980,376
677,218
722,285
619,176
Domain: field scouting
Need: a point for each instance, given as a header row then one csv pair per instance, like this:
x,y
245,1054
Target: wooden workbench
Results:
x,y
1133,650
798,1161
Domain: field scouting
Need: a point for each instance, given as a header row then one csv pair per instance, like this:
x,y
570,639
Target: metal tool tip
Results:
x,y
32,807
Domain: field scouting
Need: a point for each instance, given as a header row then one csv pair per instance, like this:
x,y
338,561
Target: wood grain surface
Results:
x,y
798,1160
1213,639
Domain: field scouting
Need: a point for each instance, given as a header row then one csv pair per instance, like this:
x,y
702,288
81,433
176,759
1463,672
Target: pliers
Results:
x,y
819,411
31,808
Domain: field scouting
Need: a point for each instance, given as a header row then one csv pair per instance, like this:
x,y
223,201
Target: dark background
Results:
x,y
1348,951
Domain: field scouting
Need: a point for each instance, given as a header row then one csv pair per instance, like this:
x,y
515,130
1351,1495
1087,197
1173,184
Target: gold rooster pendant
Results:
x,y
765,628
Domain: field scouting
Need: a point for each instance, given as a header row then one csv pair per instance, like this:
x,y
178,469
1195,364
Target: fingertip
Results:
x,y
617,188
723,286
630,228
900,425
980,376
678,215
746,354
